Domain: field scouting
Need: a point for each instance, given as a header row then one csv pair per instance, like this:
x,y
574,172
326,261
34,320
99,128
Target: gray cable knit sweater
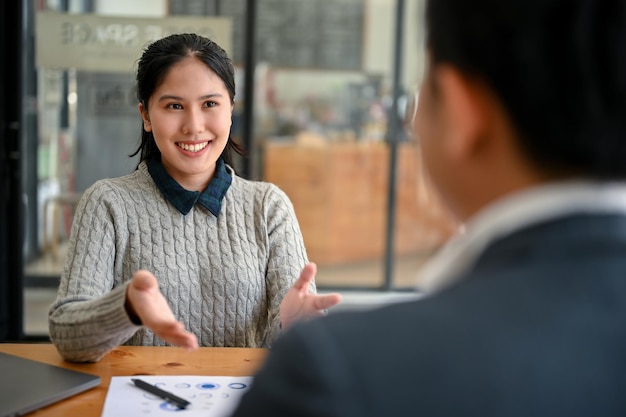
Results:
x,y
224,277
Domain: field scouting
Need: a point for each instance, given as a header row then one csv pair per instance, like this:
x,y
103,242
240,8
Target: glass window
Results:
x,y
323,105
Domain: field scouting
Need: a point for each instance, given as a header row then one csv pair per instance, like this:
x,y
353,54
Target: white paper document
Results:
x,y
210,396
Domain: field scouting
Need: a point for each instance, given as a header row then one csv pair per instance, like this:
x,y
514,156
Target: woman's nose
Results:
x,y
194,121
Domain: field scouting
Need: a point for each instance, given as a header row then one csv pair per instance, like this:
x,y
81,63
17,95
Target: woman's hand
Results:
x,y
146,305
299,303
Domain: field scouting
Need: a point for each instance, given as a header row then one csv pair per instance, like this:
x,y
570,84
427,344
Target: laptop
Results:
x,y
27,385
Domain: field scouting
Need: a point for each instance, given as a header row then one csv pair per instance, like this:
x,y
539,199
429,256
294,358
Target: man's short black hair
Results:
x,y
557,66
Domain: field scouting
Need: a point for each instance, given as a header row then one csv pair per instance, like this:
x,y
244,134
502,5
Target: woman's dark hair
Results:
x,y
156,61
557,66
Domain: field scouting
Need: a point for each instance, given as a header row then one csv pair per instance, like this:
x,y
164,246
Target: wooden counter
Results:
x,y
339,192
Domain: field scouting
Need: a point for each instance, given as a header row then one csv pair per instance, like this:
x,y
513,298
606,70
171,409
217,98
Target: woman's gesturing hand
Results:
x,y
146,305
300,304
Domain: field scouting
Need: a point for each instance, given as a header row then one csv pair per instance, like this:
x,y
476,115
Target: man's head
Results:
x,y
539,85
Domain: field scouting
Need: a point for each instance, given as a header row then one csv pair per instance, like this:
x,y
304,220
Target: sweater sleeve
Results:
x,y
287,255
88,317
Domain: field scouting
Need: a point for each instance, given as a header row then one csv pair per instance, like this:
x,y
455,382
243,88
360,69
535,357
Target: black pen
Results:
x,y
167,396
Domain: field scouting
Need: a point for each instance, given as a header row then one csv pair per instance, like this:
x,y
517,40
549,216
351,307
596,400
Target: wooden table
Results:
x,y
137,360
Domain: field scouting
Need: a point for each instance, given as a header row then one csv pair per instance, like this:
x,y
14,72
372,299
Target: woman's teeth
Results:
x,y
193,148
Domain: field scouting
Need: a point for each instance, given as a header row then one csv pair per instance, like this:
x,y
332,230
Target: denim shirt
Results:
x,y
211,198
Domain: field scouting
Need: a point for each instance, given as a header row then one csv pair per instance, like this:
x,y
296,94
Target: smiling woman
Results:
x,y
190,117
183,251
186,93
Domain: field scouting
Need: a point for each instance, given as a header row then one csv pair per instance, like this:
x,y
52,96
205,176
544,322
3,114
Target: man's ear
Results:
x,y
147,126
462,100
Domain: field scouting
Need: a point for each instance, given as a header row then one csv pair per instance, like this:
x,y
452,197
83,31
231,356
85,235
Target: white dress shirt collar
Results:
x,y
513,213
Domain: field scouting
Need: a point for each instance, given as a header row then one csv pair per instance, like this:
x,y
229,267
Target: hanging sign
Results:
x,y
110,43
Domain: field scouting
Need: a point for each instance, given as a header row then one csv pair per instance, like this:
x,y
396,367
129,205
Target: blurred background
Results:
x,y
325,90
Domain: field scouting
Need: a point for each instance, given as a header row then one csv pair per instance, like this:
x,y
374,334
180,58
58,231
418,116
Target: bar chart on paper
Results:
x,y
209,396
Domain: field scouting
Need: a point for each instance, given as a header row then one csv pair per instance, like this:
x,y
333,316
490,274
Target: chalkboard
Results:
x,y
318,34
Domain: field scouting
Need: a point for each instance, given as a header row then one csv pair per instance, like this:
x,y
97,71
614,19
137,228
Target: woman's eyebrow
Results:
x,y
179,98
170,97
212,95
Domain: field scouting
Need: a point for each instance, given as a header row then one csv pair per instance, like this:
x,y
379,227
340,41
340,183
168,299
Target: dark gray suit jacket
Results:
x,y
536,328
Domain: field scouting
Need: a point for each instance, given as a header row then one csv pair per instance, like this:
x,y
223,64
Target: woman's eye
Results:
x,y
210,104
175,106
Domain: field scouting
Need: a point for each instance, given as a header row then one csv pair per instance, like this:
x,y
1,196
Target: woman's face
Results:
x,y
190,115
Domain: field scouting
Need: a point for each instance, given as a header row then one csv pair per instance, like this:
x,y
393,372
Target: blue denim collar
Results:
x,y
184,200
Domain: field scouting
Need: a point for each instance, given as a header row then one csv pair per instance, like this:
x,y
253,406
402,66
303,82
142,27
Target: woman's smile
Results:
x,y
193,147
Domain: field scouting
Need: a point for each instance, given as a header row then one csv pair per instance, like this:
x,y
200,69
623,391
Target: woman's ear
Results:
x,y
147,126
